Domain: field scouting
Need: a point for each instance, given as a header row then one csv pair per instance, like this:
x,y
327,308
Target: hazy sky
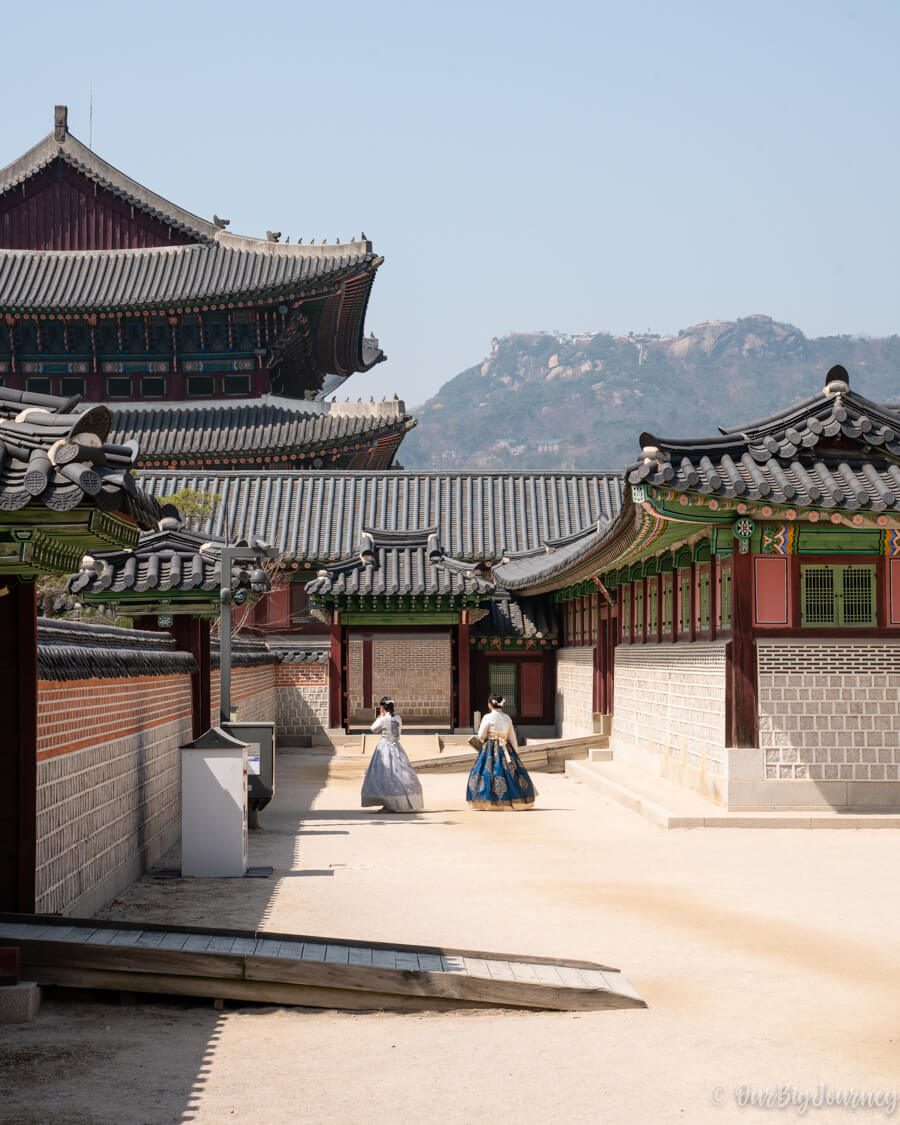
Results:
x,y
571,166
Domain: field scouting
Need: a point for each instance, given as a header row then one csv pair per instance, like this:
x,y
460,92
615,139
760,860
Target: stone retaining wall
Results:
x,y
575,692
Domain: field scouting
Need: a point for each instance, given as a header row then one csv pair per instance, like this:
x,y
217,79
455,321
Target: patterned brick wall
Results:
x,y
413,670
109,783
829,711
301,692
253,695
670,707
575,691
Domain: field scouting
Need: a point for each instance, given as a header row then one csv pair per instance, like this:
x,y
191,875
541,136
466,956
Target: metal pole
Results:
x,y
225,638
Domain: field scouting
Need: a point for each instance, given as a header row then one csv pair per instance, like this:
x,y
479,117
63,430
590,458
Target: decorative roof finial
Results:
x,y
220,223
273,235
837,381
60,122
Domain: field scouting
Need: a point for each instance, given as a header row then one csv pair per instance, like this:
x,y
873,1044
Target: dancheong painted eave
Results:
x,y
833,457
320,516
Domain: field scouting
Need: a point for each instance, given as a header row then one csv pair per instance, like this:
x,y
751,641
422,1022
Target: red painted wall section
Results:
x,y
772,591
61,209
894,591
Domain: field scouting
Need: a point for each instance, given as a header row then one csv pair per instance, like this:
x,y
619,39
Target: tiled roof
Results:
x,y
62,458
527,570
319,516
230,432
71,280
170,559
518,617
400,564
836,450
61,144
291,652
79,650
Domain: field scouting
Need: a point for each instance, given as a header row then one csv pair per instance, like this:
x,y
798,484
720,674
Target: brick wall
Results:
x,y
828,711
575,691
253,694
109,784
414,670
670,712
301,691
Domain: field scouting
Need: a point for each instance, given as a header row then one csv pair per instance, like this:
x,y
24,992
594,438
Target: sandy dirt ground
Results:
x,y
768,958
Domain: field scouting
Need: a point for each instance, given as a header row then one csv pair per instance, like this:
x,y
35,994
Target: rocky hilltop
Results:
x,y
543,400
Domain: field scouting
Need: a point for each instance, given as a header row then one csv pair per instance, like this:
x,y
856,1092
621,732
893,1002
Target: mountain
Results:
x,y
546,401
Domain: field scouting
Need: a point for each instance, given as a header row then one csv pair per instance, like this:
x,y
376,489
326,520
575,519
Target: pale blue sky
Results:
x,y
571,166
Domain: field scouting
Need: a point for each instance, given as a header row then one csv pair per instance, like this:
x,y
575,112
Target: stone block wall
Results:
x,y
414,670
575,692
829,711
109,784
253,694
301,691
670,711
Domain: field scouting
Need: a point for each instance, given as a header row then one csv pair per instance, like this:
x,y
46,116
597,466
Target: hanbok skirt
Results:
x,y
391,781
498,781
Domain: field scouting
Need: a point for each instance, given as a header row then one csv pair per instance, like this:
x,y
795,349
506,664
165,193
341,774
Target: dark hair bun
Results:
x,y
496,700
388,704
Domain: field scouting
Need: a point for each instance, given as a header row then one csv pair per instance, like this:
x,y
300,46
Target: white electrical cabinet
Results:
x,y
214,806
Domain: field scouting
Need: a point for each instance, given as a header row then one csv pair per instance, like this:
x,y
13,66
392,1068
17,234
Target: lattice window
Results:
x,y
703,599
684,599
667,607
838,596
725,598
626,613
502,681
652,608
639,611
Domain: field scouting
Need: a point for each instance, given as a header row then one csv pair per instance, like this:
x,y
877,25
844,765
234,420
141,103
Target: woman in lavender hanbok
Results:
x,y
390,780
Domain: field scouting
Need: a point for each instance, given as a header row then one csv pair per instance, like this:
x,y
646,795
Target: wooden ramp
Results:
x,y
300,970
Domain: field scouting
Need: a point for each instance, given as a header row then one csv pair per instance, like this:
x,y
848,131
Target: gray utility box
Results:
x,y
214,805
260,739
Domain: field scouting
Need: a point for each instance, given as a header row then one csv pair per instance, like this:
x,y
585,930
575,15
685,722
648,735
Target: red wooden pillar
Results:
x,y
741,658
337,674
18,746
367,673
463,673
192,635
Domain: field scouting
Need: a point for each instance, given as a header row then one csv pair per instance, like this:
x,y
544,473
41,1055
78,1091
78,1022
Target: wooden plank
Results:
x,y
431,963
524,972
150,940
197,943
407,960
173,941
220,944
453,964
268,948
337,954
15,929
291,950
124,937
131,959
571,978
384,958
80,936
501,970
313,952
546,974
360,955
476,967
244,945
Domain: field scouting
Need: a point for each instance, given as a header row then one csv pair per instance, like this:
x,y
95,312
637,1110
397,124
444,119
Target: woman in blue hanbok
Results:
x,y
498,781
390,780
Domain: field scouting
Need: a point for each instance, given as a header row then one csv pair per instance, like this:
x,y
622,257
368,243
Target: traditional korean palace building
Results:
x,y
740,618
726,611
110,293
